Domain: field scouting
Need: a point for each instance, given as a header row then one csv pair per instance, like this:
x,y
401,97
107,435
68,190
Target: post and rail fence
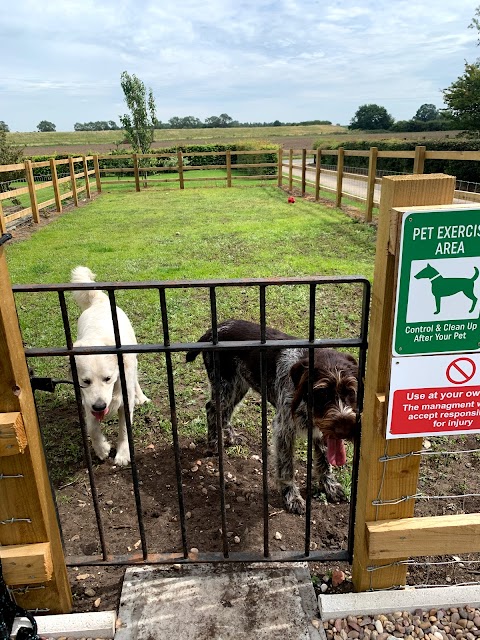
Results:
x,y
340,180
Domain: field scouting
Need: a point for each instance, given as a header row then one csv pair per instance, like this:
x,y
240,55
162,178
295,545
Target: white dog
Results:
x,y
99,375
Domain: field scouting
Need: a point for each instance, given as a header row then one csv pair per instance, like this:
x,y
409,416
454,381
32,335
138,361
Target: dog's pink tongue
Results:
x,y
336,454
100,415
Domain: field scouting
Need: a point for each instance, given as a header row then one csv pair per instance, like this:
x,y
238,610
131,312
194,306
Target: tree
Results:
x,y
462,98
9,154
4,126
371,116
427,112
221,121
45,126
139,124
475,23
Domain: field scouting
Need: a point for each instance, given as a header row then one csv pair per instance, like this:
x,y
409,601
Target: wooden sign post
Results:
x,y
380,482
30,542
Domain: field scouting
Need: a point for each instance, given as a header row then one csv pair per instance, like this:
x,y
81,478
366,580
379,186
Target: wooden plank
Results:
x,y
372,172
59,162
46,203
452,155
229,168
136,172
357,153
340,162
318,162
290,169
73,180
43,163
64,179
43,185
30,495
399,478
56,189
396,154
80,189
25,564
280,170
7,195
85,173
121,170
3,224
180,169
120,156
419,160
428,536
18,214
13,439
66,195
11,167
98,179
31,190
304,169
467,195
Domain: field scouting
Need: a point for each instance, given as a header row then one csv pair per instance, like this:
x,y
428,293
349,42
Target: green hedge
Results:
x,y
463,170
196,160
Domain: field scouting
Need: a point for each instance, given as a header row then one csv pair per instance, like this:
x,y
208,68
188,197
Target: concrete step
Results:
x,y
261,601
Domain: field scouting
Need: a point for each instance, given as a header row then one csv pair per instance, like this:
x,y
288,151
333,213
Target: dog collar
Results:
x,y
435,277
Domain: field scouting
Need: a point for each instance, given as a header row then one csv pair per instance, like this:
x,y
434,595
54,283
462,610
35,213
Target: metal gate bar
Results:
x,y
216,347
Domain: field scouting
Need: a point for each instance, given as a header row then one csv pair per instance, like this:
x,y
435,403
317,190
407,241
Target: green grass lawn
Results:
x,y
193,234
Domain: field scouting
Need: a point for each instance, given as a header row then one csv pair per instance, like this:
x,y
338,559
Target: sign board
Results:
x,y
438,288
434,395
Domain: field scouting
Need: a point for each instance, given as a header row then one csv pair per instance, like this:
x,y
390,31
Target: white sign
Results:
x,y
434,395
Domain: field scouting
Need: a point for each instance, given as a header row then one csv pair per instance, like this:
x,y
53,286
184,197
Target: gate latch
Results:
x,y
46,384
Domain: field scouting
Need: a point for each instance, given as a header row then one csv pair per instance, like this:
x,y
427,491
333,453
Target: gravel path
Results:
x,y
435,624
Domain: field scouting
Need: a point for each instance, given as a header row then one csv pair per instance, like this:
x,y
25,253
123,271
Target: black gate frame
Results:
x,y
167,347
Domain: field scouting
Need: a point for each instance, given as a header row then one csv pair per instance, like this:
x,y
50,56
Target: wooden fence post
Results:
x,y
419,160
304,171
31,191
97,174
180,169
3,225
340,162
372,174
229,168
27,510
136,172
318,162
56,186
73,181
280,167
85,173
290,170
375,482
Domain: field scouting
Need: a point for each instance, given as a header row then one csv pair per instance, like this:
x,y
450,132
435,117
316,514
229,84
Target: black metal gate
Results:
x,y
167,347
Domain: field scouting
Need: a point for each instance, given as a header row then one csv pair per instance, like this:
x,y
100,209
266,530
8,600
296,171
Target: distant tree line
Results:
x,y
373,117
99,125
225,121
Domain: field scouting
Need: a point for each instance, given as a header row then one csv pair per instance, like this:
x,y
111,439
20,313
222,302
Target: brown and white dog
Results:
x,y
99,375
334,402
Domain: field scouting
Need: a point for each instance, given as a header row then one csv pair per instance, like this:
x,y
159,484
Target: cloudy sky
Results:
x,y
257,60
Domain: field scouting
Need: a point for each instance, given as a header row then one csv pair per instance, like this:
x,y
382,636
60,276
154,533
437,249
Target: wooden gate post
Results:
x,y
378,480
318,162
280,167
87,178
340,163
30,542
304,171
56,186
31,190
73,180
372,174
419,160
290,170
98,178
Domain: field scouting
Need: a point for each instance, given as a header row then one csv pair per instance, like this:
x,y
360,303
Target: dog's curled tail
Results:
x,y
475,275
191,355
85,299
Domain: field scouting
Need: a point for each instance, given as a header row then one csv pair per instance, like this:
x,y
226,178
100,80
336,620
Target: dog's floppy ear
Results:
x,y
299,375
354,364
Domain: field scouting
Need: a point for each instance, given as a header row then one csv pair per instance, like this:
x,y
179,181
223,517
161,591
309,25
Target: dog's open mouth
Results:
x,y
336,453
100,415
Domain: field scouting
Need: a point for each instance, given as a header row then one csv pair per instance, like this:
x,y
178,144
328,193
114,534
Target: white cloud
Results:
x,y
254,59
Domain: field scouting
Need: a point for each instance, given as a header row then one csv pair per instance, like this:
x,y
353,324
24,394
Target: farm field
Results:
x,y
296,137
197,234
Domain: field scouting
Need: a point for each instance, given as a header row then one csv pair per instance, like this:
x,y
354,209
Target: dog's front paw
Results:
x,y
334,491
122,459
142,399
294,503
102,448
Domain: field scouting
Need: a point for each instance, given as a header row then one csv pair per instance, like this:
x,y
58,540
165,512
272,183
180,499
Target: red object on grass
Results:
x,y
291,199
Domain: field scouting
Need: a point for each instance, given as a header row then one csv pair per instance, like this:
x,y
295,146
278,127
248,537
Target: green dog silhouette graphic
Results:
x,y
444,287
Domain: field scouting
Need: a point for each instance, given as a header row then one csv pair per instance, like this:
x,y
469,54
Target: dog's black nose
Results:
x,y
99,405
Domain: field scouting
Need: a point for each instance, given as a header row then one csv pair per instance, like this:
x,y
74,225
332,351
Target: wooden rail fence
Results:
x,y
144,165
